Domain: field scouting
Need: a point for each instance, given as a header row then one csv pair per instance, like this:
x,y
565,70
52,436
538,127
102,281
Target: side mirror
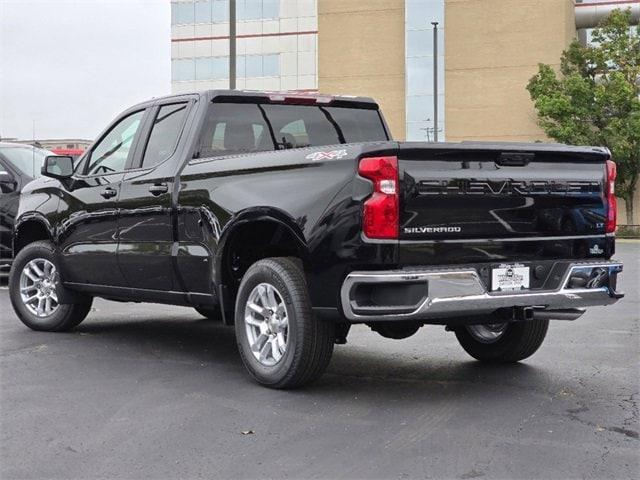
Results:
x,y
58,166
7,182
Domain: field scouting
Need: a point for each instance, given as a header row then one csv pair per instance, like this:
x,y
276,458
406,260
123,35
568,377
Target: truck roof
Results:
x,y
291,96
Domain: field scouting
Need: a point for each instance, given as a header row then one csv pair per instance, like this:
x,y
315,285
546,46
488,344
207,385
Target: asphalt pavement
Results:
x,y
150,391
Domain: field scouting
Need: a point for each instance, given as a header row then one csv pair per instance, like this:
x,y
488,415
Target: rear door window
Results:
x,y
165,133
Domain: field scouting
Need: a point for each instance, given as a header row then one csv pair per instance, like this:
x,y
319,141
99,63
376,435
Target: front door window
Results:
x,y
112,152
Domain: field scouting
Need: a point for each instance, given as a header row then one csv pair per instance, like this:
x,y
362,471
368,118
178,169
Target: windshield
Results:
x,y
27,159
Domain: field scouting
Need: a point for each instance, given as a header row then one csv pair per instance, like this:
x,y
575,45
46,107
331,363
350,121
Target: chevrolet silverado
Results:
x,y
294,216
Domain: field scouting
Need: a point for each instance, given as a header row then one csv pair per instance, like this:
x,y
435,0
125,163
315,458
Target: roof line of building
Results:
x,y
246,35
590,15
613,2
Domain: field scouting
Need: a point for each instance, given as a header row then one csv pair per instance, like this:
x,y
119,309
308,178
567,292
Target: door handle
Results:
x,y
159,188
108,192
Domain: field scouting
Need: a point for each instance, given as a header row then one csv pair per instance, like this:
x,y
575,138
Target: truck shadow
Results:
x,y
352,370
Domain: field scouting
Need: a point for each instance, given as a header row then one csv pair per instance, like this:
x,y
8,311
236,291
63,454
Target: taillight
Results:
x,y
612,203
381,211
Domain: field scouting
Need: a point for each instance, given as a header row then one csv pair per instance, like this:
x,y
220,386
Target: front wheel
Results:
x,y
33,284
503,342
281,343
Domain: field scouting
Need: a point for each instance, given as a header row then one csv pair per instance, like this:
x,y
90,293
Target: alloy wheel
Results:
x,y
267,324
487,333
38,287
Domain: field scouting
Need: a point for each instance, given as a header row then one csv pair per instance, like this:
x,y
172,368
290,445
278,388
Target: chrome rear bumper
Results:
x,y
458,293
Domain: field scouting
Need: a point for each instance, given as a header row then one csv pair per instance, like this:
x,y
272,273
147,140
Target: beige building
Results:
x,y
493,48
361,51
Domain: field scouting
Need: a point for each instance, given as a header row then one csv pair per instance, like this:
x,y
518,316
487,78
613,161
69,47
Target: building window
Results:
x,y
270,9
261,66
271,65
220,11
216,68
183,69
212,68
182,12
217,11
203,11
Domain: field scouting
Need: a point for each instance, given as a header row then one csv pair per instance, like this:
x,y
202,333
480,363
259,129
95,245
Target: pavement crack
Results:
x,y
573,414
624,431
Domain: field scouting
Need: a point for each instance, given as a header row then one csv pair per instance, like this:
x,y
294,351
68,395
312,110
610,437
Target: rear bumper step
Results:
x,y
423,295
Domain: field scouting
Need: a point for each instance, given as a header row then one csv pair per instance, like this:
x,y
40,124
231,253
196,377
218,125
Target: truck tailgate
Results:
x,y
514,198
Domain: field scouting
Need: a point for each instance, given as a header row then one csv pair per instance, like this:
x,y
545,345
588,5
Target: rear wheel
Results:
x,y
33,289
281,343
503,342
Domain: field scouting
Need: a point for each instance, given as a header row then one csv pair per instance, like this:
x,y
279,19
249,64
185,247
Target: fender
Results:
x,y
65,296
252,215
36,217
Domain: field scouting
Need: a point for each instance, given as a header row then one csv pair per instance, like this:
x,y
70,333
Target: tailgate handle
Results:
x,y
514,159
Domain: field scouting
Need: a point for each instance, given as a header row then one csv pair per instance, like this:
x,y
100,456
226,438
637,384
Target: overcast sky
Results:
x,y
73,65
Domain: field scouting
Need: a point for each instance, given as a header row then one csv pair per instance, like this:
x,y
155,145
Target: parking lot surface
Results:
x,y
151,391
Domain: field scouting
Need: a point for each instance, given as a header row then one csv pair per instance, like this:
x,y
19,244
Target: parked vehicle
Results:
x,y
19,164
295,216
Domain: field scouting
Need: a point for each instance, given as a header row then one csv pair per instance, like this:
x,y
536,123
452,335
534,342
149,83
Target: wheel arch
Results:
x,y
252,235
30,228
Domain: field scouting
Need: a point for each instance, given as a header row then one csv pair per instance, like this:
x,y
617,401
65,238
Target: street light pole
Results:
x,y
435,81
232,44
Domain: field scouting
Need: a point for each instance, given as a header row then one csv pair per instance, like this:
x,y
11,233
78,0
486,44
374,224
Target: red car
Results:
x,y
71,152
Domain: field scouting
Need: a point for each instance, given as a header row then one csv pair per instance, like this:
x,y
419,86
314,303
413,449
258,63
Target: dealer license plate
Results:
x,y
510,277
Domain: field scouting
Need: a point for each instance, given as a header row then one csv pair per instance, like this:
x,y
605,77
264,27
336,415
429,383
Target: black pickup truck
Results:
x,y
295,216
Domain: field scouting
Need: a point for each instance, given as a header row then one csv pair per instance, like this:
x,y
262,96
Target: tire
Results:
x,y
61,317
210,313
516,342
308,343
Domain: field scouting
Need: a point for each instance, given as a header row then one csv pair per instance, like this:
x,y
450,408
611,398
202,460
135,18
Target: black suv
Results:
x,y
19,164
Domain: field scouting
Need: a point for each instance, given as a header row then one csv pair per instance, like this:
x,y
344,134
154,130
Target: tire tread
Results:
x,y
316,337
72,314
520,341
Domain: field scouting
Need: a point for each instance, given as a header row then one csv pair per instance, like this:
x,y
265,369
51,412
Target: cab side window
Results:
x,y
293,135
111,153
234,128
165,133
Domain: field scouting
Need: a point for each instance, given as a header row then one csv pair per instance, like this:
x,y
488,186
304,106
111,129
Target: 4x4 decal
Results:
x,y
330,155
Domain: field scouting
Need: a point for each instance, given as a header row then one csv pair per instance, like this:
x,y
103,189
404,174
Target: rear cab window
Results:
x,y
236,128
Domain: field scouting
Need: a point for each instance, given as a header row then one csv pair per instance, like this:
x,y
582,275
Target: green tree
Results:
x,y
595,98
